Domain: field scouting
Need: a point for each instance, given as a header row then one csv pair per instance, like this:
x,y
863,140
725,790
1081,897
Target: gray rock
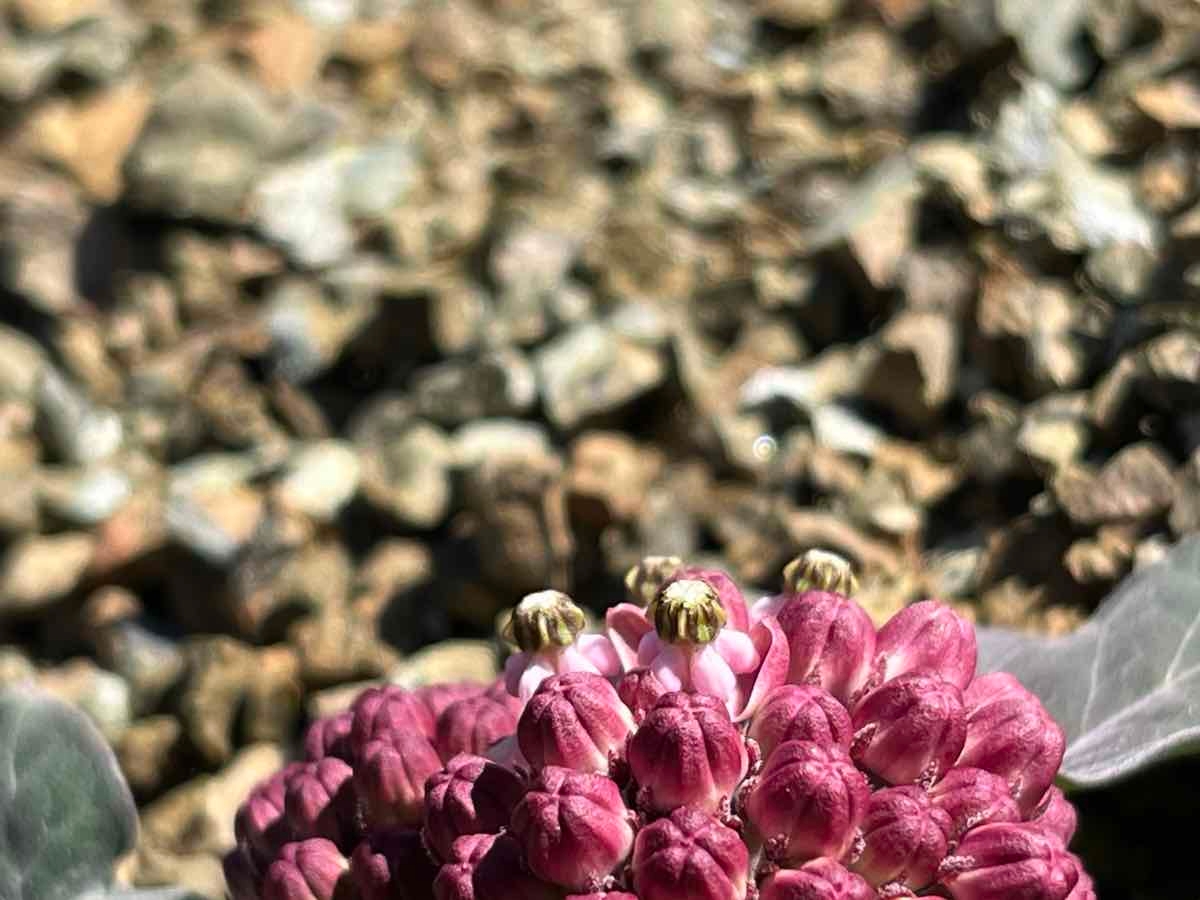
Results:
x,y
1047,36
405,462
308,329
78,430
319,479
496,384
85,496
485,439
1136,483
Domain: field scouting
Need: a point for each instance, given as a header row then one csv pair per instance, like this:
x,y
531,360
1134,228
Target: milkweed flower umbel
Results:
x,y
699,749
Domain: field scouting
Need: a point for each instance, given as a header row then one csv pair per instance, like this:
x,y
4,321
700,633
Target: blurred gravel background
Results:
x,y
329,328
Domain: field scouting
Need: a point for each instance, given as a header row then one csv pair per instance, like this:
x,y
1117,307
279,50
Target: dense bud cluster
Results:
x,y
699,749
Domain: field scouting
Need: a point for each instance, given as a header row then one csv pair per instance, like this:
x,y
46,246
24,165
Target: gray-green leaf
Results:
x,y
65,811
1125,686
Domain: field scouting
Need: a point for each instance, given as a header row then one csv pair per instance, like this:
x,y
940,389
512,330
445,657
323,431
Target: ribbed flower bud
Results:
x,y
391,776
380,712
391,864
911,728
437,697
471,795
1008,860
573,827
808,801
1010,733
904,838
687,751
548,628
574,720
475,723
640,691
1085,888
820,570
320,801
689,855
603,895
800,712
831,642
646,579
308,870
1056,814
260,824
489,867
973,797
329,736
926,637
818,879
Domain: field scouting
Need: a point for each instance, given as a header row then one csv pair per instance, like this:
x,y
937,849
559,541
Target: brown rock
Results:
x,y
220,671
1136,483
915,374
39,569
607,478
286,50
1173,102
147,753
273,696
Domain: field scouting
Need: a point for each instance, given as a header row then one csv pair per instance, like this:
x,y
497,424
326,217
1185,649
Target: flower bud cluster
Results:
x,y
700,749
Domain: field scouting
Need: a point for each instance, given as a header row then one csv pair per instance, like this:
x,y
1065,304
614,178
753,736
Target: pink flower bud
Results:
x,y
973,797
391,864
690,855
471,795
603,895
437,697
474,724
800,712
391,778
1010,733
927,637
737,616
1009,860
574,720
911,728
904,838
1085,888
640,690
320,801
381,712
687,751
831,642
241,874
329,736
1056,815
574,828
808,801
260,824
818,879
308,870
488,867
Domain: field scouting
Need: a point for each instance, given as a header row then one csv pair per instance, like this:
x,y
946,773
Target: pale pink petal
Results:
x,y
514,668
711,674
670,667
601,653
626,625
649,649
571,659
736,648
767,605
771,645
536,671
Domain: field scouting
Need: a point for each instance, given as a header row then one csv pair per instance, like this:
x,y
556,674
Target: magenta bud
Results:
x,y
329,736
687,751
574,720
818,879
260,824
391,778
1085,888
973,797
307,870
391,864
690,855
475,723
808,801
1010,733
800,712
488,867
472,795
241,874
640,690
927,637
574,828
320,801
603,895
1056,815
910,728
381,712
737,615
437,697
831,642
1008,860
904,838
